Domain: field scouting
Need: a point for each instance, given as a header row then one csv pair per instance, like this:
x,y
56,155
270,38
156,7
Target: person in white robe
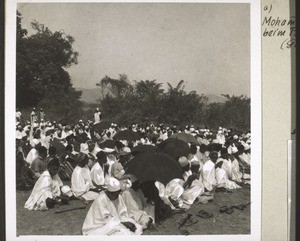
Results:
x,y
208,174
99,171
180,193
81,182
48,186
138,208
33,153
223,171
108,214
236,175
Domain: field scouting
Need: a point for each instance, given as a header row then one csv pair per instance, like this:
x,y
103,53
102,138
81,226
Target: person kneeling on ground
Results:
x,y
47,190
108,214
81,182
137,206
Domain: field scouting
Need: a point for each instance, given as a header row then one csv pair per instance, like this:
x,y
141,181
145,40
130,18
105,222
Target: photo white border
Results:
x,y
256,132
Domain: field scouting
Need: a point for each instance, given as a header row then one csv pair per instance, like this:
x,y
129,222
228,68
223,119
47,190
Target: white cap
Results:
x,y
84,148
66,190
113,185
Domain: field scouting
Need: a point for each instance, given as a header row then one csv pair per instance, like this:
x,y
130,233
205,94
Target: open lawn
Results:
x,y
70,223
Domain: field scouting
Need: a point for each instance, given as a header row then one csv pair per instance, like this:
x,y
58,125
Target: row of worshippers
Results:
x,y
34,144
116,194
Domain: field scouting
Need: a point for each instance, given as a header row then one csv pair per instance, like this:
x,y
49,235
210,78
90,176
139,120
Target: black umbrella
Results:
x,y
142,149
99,127
154,167
127,135
174,147
108,144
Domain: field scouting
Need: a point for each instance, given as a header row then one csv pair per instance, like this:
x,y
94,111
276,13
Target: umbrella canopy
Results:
x,y
60,148
214,147
154,167
107,144
185,137
127,135
174,148
143,149
101,126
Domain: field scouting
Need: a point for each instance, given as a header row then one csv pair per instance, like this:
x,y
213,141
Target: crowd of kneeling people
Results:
x,y
120,203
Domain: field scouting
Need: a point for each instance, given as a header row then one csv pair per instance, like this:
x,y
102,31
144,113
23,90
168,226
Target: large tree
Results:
x,y
41,63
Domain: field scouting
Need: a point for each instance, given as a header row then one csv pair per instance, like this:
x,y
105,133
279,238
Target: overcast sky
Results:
x,y
207,45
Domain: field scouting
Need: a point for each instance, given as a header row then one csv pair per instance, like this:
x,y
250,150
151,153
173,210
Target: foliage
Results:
x,y
41,62
146,101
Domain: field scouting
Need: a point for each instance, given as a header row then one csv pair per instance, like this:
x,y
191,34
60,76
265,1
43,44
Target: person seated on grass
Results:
x,y
47,190
151,193
244,162
108,214
236,175
81,182
137,207
223,168
208,174
71,155
117,168
24,180
180,193
39,164
99,171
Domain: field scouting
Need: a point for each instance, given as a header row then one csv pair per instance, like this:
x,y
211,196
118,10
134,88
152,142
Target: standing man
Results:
x,y
33,117
97,116
42,115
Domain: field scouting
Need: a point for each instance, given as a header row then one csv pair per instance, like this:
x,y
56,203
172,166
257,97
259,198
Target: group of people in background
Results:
x,y
50,155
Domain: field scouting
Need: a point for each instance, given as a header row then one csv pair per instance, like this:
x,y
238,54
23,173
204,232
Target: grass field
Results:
x,y
70,223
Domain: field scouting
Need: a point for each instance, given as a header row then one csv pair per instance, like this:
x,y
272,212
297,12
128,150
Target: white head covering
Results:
x,y
66,190
34,142
108,150
113,185
84,148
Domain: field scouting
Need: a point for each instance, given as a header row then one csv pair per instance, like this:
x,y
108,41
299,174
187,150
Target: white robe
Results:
x,y
223,181
208,175
135,207
174,189
236,174
45,187
97,174
32,154
105,216
81,182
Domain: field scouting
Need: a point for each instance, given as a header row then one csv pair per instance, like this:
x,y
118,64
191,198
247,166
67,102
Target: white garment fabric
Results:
x,y
223,181
174,189
236,173
97,174
81,183
135,207
97,117
105,216
246,158
32,155
45,187
208,175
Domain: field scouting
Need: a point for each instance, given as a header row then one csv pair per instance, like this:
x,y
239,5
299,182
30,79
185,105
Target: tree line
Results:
x,y
42,80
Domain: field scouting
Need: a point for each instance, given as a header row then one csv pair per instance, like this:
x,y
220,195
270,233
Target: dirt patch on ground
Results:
x,y
70,223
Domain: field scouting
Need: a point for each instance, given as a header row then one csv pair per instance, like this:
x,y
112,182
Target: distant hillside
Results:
x,y
92,95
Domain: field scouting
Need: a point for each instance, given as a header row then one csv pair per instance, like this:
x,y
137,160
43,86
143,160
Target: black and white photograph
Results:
x,y
135,118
